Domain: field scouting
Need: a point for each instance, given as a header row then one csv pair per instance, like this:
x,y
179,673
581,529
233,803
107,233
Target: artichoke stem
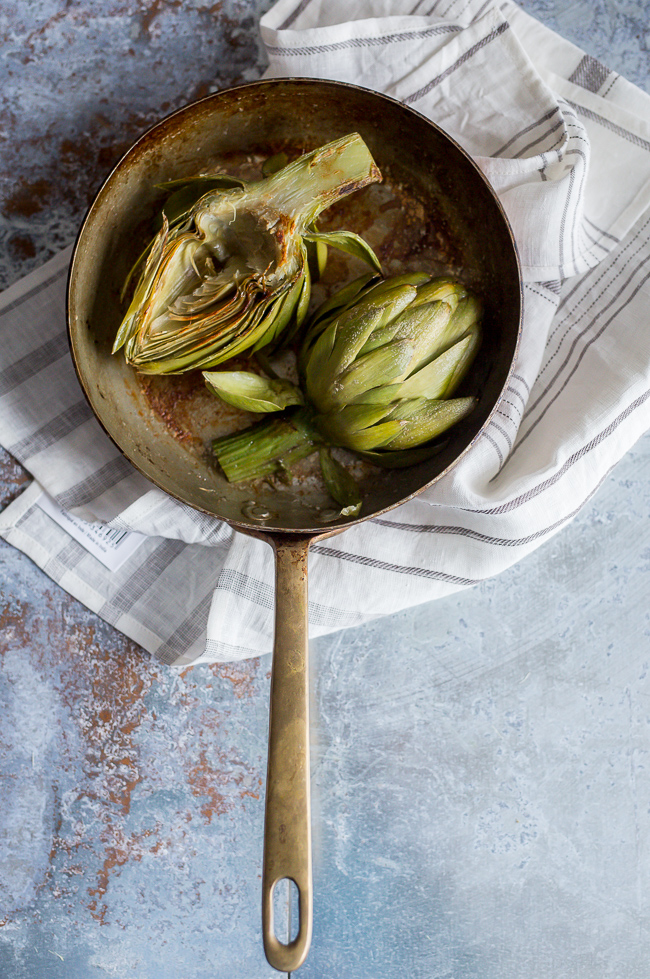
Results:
x,y
311,183
266,448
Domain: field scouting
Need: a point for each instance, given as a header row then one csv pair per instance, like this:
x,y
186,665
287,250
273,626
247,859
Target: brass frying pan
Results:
x,y
450,219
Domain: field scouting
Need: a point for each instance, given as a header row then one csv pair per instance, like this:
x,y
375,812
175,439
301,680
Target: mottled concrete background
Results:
x,y
80,81
480,764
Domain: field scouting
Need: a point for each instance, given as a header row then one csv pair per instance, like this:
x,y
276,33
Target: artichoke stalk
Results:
x,y
231,271
378,365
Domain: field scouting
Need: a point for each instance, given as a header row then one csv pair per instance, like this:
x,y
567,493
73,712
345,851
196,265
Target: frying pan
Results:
x,y
459,225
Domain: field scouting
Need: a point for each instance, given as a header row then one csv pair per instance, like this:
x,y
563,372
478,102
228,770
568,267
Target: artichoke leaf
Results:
x,y
383,394
355,325
348,242
341,486
154,254
378,367
441,377
274,163
317,376
466,315
321,319
316,255
250,392
136,265
337,302
415,279
381,337
433,418
299,306
375,437
443,288
428,329
282,316
341,425
317,258
305,295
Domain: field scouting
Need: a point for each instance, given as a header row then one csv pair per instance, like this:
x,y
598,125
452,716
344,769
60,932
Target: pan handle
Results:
x,y
287,824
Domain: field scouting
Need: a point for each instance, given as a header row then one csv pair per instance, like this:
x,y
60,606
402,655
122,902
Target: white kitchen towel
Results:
x,y
566,144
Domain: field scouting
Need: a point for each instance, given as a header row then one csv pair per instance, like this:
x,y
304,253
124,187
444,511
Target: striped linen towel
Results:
x,y
566,144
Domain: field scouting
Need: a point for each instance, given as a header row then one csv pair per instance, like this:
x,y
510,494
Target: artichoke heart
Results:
x,y
231,273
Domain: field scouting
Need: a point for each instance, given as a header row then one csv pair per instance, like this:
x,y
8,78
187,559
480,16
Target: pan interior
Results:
x,y
434,212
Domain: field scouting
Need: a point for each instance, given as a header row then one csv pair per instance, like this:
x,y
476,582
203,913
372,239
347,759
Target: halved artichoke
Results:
x,y
231,272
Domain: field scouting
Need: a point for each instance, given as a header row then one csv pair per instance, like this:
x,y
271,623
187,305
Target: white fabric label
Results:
x,y
111,547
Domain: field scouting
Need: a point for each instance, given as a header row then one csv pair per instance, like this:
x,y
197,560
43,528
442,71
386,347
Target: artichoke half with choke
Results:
x,y
379,365
228,271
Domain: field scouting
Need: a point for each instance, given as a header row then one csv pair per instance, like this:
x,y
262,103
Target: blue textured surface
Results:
x,y
481,797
